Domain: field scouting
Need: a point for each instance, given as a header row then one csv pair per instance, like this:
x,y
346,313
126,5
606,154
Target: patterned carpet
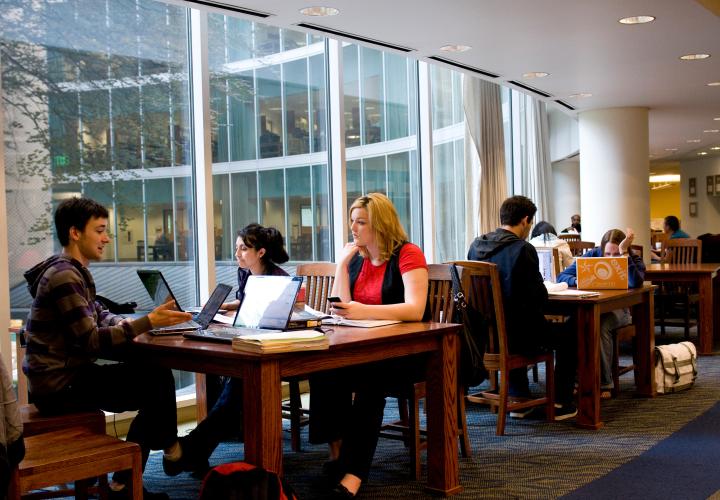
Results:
x,y
535,459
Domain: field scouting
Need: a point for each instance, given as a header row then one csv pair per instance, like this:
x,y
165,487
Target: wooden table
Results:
x,y
706,278
348,346
587,312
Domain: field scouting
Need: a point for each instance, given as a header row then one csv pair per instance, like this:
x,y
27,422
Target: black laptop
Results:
x,y
267,307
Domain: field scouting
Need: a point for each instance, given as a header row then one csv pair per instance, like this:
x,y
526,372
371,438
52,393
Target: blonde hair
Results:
x,y
384,221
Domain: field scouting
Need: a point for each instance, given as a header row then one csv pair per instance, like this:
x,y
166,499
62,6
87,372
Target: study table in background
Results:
x,y
708,283
348,346
587,312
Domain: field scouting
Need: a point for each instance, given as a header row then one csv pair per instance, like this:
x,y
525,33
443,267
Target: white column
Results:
x,y
426,161
202,152
614,170
337,146
4,262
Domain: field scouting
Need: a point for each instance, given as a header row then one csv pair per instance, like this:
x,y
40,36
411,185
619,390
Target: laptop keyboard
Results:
x,y
225,334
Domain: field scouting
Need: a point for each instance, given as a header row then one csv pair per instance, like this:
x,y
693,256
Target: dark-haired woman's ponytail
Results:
x,y
275,248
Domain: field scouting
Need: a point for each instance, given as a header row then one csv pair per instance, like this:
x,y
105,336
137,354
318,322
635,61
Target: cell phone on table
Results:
x,y
334,300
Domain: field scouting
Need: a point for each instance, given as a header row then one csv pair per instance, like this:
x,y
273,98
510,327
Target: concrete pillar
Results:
x,y
614,170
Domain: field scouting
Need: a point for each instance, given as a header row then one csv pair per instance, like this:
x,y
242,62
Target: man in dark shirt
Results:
x,y
524,297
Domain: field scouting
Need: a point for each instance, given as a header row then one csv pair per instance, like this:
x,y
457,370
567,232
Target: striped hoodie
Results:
x,y
66,327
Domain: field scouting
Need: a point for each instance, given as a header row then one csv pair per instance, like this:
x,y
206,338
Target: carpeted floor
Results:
x,y
535,459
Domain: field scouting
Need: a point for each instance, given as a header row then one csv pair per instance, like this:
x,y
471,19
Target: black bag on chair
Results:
x,y
114,307
473,336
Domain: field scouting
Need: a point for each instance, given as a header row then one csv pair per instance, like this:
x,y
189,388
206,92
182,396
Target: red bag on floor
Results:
x,y
242,481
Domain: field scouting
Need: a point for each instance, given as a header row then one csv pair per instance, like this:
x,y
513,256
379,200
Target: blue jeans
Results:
x,y
609,322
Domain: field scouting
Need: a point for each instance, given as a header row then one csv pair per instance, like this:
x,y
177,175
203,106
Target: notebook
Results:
x,y
602,273
160,293
267,307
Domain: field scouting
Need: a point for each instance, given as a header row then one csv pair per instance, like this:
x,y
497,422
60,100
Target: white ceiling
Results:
x,y
579,42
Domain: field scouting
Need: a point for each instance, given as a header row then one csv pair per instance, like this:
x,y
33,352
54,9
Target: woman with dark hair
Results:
x,y
258,251
614,243
544,235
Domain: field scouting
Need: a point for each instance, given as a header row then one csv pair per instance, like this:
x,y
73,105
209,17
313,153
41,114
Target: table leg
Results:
x,y
643,318
442,393
588,324
705,315
716,307
262,399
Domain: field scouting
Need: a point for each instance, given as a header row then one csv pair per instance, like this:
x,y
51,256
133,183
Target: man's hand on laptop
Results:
x,y
627,242
167,315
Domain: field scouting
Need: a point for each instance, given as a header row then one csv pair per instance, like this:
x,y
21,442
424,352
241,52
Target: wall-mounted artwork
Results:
x,y
692,190
693,210
710,184
717,184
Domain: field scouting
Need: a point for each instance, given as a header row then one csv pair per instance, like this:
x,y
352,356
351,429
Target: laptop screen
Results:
x,y
157,287
268,301
602,273
212,306
547,263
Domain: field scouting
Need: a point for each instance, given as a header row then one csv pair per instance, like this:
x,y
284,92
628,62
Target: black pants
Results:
x,y
123,387
335,414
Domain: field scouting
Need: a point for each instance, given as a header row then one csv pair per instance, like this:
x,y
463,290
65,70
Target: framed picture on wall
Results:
x,y
693,210
710,184
717,184
692,190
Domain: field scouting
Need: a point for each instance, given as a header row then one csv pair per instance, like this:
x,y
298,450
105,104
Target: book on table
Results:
x,y
359,323
307,317
276,342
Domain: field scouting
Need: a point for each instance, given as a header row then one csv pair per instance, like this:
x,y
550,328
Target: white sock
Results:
x,y
174,453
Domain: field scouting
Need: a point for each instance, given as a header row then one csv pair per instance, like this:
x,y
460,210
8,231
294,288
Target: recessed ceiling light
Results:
x,y
693,140
580,95
665,178
711,131
717,119
671,149
535,74
713,84
715,148
319,10
455,48
694,57
636,20
702,153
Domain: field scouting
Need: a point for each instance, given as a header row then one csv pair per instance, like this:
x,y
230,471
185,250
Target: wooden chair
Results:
x,y
74,454
319,278
637,250
407,428
679,295
569,237
481,284
578,248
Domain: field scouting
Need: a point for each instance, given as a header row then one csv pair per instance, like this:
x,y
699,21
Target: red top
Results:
x,y
368,286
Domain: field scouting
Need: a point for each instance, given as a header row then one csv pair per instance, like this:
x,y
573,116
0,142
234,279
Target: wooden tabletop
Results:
x,y
603,295
681,268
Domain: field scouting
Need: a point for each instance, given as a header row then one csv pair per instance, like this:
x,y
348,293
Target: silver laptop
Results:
x,y
267,307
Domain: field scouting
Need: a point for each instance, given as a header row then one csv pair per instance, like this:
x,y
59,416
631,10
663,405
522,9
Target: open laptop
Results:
x,y
602,273
546,258
159,289
267,307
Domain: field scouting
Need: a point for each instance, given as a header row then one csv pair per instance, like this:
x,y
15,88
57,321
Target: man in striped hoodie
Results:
x,y
67,330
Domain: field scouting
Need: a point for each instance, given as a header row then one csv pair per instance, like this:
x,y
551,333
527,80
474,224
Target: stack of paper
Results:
x,y
298,340
574,293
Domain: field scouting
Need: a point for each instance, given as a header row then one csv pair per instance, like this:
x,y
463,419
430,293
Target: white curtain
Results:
x,y
535,156
486,186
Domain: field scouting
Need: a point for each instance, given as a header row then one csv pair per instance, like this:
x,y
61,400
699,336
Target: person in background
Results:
x,y
614,243
574,227
544,235
67,330
524,298
671,227
258,251
380,275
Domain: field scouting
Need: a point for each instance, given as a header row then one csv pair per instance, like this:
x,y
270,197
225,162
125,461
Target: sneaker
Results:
x,y
523,413
187,462
563,412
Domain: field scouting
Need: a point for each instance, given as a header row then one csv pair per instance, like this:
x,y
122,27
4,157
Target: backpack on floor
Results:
x,y
242,481
675,367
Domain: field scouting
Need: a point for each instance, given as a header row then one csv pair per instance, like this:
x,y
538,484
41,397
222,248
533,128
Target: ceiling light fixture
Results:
x,y
711,131
717,119
715,148
636,20
535,74
671,149
455,48
702,153
319,11
694,57
693,140
665,178
580,95
713,84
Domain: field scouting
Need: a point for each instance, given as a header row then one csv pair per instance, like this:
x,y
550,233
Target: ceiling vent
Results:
x,y
232,8
351,36
529,89
450,62
564,104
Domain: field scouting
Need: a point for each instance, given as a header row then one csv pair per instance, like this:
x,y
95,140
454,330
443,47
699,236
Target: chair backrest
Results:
x,y
557,261
319,278
656,237
578,248
481,286
569,237
683,251
440,294
637,250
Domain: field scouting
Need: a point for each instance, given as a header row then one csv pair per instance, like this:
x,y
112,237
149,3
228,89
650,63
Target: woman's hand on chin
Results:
x,y
349,310
348,252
